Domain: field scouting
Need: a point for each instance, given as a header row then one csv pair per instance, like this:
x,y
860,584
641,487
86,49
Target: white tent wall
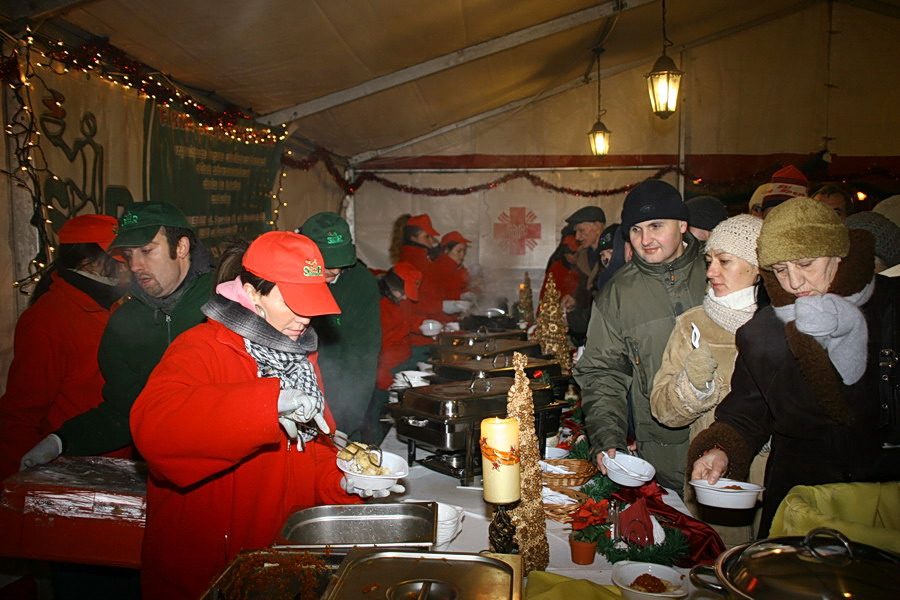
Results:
x,y
306,193
756,92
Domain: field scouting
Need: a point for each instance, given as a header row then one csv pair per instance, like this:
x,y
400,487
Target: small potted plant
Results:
x,y
588,525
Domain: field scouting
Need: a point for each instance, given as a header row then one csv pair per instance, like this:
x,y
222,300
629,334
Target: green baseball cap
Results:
x,y
331,234
142,221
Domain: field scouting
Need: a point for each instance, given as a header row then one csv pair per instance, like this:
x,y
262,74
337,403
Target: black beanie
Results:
x,y
705,212
652,199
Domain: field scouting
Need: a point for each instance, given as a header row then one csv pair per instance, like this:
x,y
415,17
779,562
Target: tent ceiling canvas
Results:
x,y
360,77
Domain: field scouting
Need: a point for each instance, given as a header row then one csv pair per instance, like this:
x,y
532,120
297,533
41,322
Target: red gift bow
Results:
x,y
705,543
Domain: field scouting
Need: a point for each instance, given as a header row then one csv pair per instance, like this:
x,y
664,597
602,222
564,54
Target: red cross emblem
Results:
x,y
517,230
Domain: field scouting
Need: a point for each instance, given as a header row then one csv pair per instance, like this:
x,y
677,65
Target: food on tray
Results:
x,y
363,460
651,584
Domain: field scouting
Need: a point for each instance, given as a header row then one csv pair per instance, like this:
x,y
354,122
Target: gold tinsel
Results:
x,y
526,304
552,330
528,517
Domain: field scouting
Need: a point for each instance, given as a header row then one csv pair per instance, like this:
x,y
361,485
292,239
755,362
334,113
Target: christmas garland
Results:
x,y
670,552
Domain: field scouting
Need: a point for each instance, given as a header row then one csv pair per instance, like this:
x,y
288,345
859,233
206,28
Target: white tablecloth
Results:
x,y
425,484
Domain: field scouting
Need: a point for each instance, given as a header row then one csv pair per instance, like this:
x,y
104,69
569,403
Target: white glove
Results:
x,y
43,452
452,307
348,487
295,407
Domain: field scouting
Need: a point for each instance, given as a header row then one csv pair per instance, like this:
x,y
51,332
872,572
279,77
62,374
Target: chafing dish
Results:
x,y
459,338
488,348
500,365
446,419
344,526
446,575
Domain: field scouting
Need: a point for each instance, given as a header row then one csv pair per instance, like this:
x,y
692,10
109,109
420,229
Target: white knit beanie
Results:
x,y
737,236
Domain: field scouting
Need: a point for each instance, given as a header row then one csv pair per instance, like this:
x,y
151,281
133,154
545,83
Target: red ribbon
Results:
x,y
705,543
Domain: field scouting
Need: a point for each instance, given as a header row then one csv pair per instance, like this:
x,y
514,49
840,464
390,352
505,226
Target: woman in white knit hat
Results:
x,y
695,374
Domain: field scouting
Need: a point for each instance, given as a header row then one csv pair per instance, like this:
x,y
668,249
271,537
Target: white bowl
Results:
x,y
430,327
725,493
396,464
625,572
449,524
644,470
551,452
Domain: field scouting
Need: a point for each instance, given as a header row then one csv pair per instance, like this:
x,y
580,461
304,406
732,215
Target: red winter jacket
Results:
x,y
54,374
222,477
398,325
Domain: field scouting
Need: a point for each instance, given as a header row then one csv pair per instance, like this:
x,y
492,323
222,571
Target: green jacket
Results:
x,y
133,342
349,344
631,321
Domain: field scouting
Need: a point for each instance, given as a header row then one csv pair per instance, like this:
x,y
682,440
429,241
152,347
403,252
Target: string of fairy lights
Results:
x,y
31,59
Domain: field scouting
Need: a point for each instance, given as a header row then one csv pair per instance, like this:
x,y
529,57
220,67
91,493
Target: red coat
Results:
x,y
54,374
398,326
566,278
222,476
451,279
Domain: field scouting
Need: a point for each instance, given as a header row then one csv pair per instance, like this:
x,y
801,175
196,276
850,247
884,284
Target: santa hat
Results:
x,y
786,183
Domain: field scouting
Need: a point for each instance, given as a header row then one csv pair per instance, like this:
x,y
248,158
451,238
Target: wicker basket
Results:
x,y
562,513
581,472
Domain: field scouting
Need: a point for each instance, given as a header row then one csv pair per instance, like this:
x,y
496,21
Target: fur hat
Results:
x,y
886,233
737,236
652,199
786,183
705,212
801,228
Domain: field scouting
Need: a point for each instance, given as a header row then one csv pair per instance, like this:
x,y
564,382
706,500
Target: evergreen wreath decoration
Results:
x,y
670,552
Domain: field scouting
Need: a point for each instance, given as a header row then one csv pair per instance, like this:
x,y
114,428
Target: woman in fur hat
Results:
x,y
695,374
806,374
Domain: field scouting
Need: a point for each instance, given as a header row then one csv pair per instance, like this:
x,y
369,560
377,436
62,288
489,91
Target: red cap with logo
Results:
x,y
422,221
89,229
294,263
412,279
454,236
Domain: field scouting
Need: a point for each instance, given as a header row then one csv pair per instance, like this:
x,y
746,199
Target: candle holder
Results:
x,y
501,531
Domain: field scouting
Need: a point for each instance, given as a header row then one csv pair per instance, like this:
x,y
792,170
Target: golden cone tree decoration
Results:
x,y
526,304
528,517
552,330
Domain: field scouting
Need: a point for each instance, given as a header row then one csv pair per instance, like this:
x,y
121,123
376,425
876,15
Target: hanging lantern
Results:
x,y
599,134
662,83
664,79
599,138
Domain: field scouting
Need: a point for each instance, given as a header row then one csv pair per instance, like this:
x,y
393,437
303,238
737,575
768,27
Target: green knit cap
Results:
x,y
801,228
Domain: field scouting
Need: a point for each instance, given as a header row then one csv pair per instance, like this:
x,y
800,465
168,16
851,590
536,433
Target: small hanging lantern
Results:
x,y
665,78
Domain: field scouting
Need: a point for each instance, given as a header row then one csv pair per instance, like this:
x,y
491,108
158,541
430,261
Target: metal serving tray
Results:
x,y
397,575
337,526
274,575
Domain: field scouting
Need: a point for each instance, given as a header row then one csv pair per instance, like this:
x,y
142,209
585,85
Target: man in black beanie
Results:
x,y
630,323
704,213
588,223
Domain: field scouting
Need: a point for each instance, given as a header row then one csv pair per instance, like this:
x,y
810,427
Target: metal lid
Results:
x,y
824,565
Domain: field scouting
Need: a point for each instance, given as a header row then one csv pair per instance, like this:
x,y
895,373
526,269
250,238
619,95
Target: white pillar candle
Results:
x,y
500,460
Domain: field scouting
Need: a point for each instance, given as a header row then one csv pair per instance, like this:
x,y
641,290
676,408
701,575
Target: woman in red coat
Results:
x,y
229,420
448,270
54,375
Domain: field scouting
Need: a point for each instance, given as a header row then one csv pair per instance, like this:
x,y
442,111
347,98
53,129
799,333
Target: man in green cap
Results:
x,y
171,279
349,342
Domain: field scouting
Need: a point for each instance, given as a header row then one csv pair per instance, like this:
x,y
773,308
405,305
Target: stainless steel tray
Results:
x,y
397,575
466,400
275,574
337,526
